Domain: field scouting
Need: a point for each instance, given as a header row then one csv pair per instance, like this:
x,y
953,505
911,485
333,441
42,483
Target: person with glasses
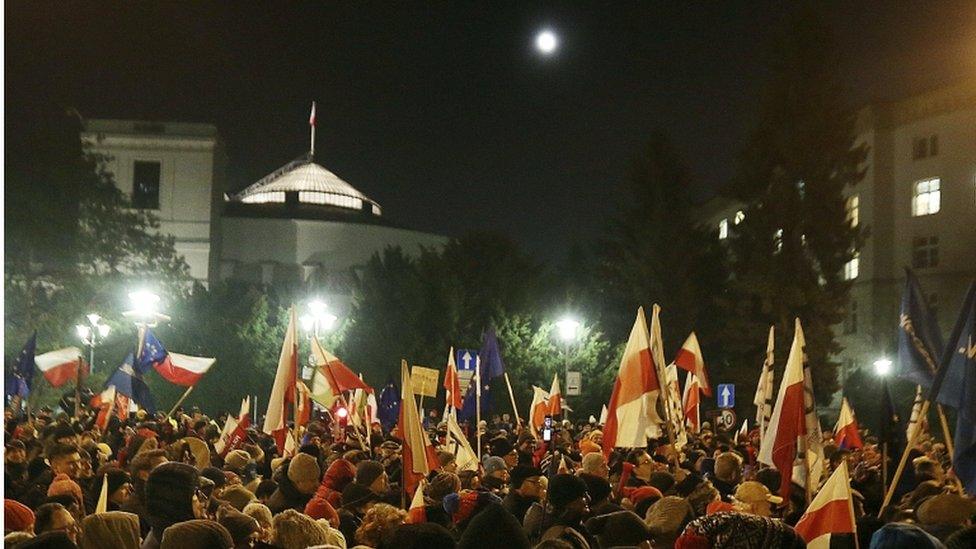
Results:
x,y
526,486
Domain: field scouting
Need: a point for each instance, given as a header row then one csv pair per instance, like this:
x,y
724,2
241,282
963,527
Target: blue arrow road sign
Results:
x,y
726,395
466,359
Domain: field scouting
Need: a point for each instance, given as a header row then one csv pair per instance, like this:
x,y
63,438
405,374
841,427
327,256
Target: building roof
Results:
x,y
311,183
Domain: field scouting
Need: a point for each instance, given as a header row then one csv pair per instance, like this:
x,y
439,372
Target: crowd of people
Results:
x,y
163,485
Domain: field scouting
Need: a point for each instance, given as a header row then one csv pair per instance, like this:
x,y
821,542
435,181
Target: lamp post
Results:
x,y
882,368
568,329
144,314
315,321
92,334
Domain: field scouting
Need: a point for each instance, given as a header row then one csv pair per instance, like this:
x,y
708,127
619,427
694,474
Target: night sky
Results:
x,y
447,116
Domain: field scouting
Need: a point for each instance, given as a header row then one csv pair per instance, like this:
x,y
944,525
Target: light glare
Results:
x,y
546,42
882,367
567,328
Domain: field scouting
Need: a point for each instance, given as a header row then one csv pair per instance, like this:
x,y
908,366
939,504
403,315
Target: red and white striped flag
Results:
x,y
764,391
690,359
690,402
555,398
632,410
846,434
235,429
452,383
59,366
538,410
831,512
418,510
283,390
787,424
419,457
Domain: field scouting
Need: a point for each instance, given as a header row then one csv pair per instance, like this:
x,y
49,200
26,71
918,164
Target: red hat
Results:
x,y
719,506
319,508
644,492
63,485
17,517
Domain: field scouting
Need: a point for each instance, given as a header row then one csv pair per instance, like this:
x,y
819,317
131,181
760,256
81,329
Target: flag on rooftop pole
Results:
x,y
962,347
176,368
690,359
787,425
846,434
60,366
284,388
419,458
632,409
764,391
831,512
18,379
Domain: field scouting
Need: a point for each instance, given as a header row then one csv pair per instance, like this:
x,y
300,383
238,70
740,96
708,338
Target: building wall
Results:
x,y
290,251
190,159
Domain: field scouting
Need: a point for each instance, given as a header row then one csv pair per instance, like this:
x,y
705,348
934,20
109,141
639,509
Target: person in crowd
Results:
x,y
594,463
238,496
113,529
497,475
379,524
569,505
619,529
294,530
119,488
196,534
139,469
667,518
173,495
735,530
54,517
264,518
727,474
297,480
243,529
753,498
442,485
493,528
356,501
526,487
14,468
63,459
373,476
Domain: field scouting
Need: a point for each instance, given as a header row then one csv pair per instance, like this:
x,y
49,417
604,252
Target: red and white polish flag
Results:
x,y
417,512
59,366
846,434
830,512
690,359
183,370
555,398
538,410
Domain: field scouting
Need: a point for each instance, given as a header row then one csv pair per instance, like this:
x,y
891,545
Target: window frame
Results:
x,y
926,197
135,184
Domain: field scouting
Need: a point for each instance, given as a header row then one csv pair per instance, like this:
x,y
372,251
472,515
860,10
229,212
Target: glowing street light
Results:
x,y
318,318
882,367
144,308
92,334
568,328
546,42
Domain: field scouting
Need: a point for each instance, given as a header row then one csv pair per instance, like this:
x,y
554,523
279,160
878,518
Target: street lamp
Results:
x,y
318,319
144,314
568,329
882,367
92,334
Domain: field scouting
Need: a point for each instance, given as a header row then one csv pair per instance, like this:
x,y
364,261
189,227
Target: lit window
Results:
x,y
852,267
778,240
925,252
723,229
739,216
852,207
926,197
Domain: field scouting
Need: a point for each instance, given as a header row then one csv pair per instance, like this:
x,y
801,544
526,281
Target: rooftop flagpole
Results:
x,y
311,124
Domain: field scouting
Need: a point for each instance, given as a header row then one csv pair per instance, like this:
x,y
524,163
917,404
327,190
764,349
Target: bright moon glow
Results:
x,y
546,42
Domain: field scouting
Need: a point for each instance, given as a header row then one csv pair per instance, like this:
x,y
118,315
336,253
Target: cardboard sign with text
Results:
x,y
424,381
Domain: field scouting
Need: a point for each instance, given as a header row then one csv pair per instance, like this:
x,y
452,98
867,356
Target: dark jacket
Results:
x,y
516,504
287,496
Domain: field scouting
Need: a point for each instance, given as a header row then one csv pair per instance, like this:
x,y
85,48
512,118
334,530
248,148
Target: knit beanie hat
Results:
x,y
339,474
196,534
667,515
293,530
444,483
494,527
62,485
501,447
236,460
645,492
303,469
565,488
115,529
493,464
598,488
334,537
169,493
425,535
948,509
368,471
239,525
238,496
259,512
622,528
522,472
320,508
16,516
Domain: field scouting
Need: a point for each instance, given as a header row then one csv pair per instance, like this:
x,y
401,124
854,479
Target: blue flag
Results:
x,y
919,340
389,405
962,364
152,352
491,358
129,383
17,380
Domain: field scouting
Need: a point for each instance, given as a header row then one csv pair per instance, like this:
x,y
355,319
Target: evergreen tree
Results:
x,y
788,253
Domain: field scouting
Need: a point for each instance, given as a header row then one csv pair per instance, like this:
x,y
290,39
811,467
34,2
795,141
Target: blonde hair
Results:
x,y
379,524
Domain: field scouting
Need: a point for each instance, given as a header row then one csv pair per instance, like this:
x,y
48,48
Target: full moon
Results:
x,y
546,42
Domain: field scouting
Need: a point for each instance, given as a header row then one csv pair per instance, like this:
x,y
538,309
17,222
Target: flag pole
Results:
x,y
665,389
312,129
901,463
180,401
477,407
511,395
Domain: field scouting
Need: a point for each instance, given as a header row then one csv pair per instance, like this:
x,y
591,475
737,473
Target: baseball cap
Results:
x,y
751,491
